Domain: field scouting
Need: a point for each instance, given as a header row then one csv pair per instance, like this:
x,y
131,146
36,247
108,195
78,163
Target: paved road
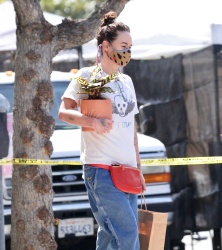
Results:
x,y
88,243
205,244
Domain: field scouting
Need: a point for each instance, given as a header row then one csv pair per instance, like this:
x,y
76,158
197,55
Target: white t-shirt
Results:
x,y
117,146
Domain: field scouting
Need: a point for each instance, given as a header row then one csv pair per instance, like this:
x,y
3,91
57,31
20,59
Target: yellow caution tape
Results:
x,y
144,162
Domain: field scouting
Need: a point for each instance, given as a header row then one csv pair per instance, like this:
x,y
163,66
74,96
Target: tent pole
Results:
x,y
4,150
80,57
2,219
3,153
217,150
217,105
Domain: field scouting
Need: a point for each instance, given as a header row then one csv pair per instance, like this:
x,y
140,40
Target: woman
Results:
x,y
113,141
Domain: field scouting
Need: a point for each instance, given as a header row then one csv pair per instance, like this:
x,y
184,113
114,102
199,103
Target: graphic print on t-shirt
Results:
x,y
123,102
122,106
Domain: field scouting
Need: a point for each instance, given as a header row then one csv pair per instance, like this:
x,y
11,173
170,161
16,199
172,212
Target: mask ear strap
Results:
x,y
99,54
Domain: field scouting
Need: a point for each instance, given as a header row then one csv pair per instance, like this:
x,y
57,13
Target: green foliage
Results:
x,y
95,86
75,9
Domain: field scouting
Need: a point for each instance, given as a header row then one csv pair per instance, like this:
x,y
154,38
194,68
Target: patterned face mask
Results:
x,y
121,57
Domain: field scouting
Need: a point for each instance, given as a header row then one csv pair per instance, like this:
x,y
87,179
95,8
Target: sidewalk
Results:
x,y
205,244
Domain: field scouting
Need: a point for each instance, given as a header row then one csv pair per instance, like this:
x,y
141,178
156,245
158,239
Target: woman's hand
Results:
x,y
102,125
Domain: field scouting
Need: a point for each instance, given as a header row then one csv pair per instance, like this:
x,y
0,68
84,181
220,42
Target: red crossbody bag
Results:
x,y
127,179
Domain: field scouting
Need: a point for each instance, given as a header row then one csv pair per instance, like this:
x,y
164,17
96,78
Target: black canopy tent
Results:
x,y
180,104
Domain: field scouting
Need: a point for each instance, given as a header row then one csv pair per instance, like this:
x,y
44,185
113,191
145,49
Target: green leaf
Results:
x,y
82,81
106,89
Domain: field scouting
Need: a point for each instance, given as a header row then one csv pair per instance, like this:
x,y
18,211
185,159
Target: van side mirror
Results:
x,y
147,119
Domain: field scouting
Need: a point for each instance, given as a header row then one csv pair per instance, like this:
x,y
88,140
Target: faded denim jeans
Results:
x,y
116,212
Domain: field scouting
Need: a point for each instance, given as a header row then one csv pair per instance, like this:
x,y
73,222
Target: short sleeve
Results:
x,y
73,89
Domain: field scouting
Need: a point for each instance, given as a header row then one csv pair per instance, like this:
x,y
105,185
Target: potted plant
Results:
x,y
96,106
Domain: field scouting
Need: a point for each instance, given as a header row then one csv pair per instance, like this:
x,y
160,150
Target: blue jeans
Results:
x,y
116,212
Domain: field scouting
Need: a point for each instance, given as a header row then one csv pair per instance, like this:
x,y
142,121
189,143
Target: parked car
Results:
x,y
71,203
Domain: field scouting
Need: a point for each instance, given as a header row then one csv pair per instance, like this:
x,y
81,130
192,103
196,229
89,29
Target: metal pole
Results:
x,y
4,147
217,105
80,57
3,153
217,149
2,219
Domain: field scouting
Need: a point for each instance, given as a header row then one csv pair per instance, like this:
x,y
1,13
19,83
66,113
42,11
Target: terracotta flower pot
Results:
x,y
99,108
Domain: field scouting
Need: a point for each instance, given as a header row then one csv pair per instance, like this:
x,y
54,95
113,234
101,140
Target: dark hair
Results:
x,y
109,28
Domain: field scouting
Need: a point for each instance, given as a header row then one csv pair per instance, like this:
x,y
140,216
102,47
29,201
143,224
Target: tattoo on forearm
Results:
x,y
102,121
71,118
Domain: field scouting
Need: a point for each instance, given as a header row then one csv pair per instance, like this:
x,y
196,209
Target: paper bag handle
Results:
x,y
143,200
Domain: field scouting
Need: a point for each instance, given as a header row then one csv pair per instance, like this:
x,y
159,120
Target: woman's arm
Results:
x,y
138,156
67,113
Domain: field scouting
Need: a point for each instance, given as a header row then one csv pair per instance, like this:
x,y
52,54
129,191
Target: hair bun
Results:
x,y
108,18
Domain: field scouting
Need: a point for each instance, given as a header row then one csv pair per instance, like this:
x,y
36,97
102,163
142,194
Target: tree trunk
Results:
x,y
37,43
32,215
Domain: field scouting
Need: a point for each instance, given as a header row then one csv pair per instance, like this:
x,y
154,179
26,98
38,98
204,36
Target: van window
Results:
x,y
58,90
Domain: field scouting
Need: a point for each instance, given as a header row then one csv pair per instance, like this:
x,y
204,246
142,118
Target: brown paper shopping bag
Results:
x,y
152,229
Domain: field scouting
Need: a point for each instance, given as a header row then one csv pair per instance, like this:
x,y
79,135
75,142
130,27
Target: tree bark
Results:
x,y
37,43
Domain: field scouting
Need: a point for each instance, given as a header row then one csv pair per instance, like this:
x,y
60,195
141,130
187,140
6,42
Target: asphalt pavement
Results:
x,y
202,241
